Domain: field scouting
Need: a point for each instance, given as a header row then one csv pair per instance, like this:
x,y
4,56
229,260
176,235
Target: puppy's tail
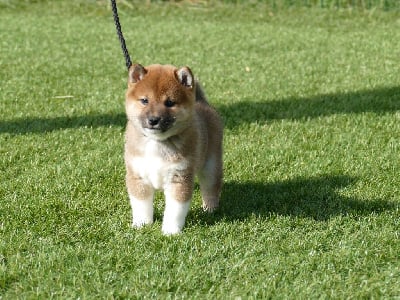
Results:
x,y
200,95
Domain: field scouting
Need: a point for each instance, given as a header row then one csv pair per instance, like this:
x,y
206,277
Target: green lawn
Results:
x,y
310,98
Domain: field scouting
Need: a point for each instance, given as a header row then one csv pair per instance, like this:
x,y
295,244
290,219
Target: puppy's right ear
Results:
x,y
136,73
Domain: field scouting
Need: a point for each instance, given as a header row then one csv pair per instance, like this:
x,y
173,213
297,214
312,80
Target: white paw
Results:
x,y
174,216
142,212
138,222
171,229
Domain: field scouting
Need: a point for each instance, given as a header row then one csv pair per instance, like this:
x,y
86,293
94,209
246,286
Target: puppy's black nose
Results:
x,y
153,121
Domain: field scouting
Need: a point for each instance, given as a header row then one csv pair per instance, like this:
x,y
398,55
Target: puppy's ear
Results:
x,y
185,77
136,73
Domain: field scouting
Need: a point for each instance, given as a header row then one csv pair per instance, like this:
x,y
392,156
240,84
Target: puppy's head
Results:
x,y
160,99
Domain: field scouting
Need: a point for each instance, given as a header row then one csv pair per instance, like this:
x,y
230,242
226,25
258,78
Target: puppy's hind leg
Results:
x,y
210,180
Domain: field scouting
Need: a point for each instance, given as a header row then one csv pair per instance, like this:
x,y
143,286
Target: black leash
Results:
x,y
120,36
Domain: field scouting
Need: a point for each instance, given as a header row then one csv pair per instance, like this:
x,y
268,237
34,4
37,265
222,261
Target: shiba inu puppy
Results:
x,y
172,135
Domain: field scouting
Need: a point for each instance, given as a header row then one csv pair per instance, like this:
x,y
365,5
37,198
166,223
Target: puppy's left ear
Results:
x,y
185,77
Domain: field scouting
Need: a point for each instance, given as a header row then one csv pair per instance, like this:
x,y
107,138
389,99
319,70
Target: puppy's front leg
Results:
x,y
142,211
141,199
178,195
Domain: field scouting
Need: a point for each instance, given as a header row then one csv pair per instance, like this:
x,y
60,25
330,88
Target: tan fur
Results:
x,y
172,135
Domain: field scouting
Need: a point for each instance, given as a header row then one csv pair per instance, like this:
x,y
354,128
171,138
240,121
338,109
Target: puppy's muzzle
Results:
x,y
153,121
159,123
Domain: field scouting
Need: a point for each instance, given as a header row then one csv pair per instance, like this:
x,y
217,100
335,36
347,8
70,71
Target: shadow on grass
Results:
x,y
42,125
234,114
317,198
247,111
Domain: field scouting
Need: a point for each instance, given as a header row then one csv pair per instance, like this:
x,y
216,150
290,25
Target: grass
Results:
x,y
311,104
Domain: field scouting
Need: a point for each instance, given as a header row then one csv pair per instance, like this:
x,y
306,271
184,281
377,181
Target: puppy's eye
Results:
x,y
169,103
144,101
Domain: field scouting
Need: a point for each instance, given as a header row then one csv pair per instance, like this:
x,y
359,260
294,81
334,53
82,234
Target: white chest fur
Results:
x,y
154,167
